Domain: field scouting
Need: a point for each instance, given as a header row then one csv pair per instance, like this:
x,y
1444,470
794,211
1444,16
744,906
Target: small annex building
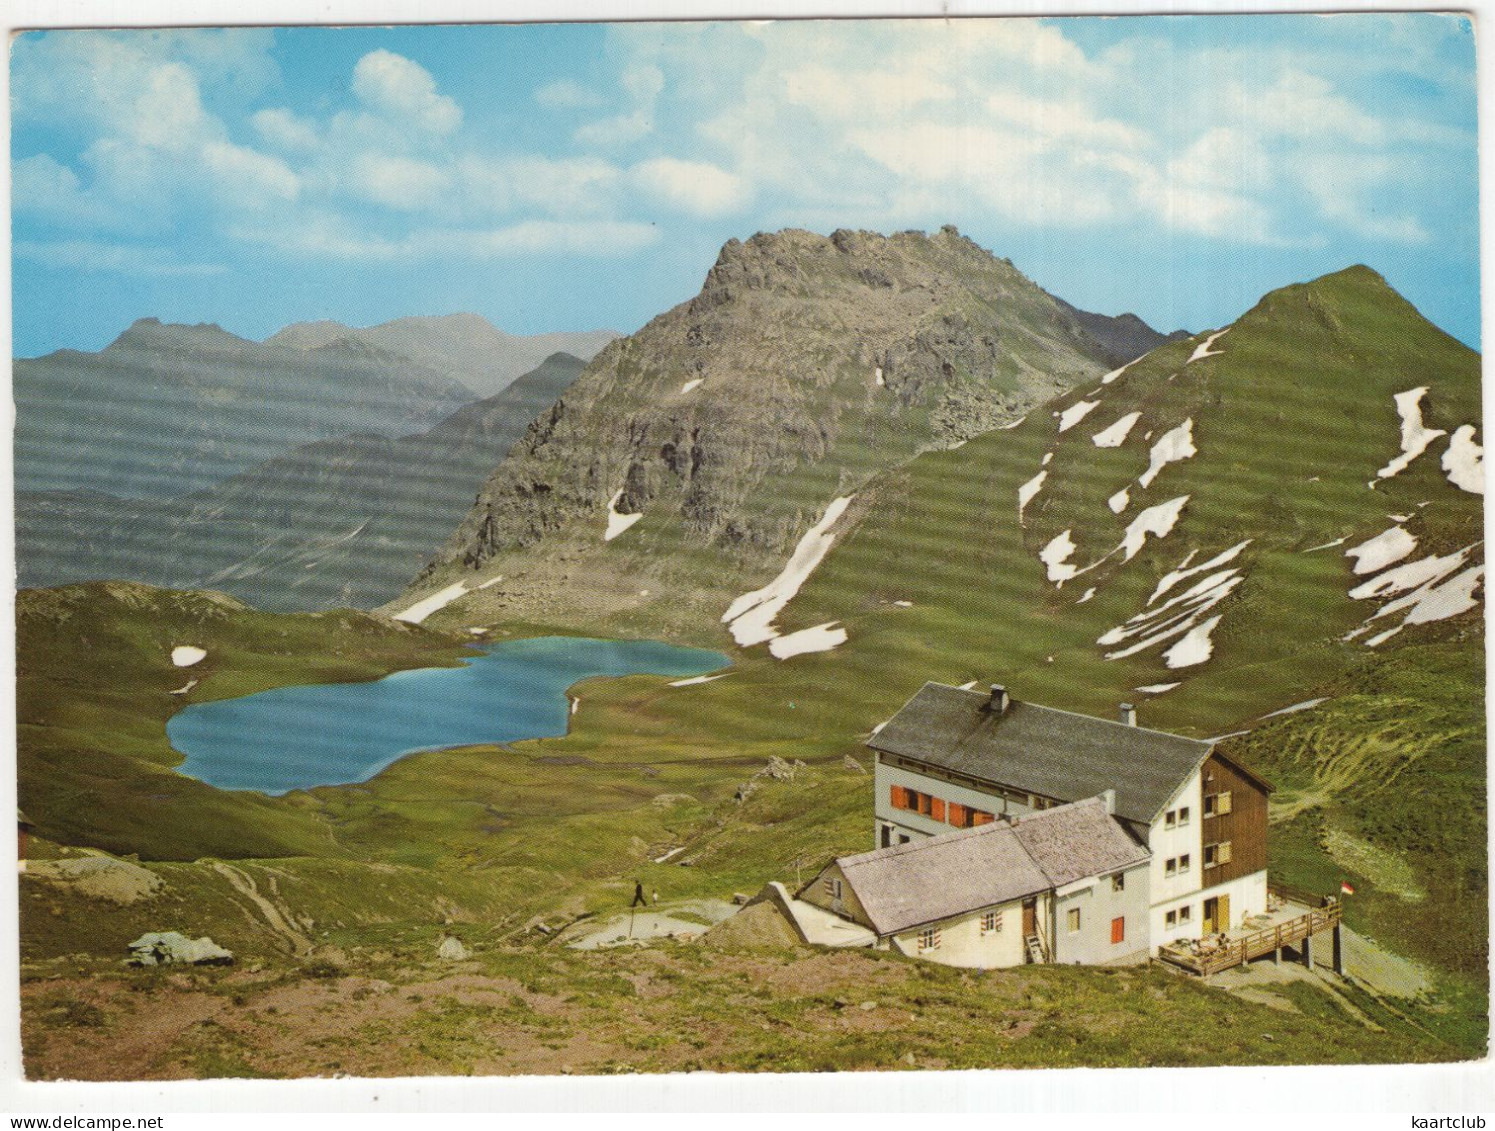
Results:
x,y
1068,884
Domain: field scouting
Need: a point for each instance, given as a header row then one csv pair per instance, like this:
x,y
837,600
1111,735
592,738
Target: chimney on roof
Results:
x,y
999,700
1129,714
1109,797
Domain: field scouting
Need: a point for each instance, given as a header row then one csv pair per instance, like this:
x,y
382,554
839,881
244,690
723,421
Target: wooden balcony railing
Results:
x,y
1234,951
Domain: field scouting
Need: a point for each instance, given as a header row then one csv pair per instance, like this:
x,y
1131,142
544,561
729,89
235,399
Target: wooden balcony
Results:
x,y
1290,925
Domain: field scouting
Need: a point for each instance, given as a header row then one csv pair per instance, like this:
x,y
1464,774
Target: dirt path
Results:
x,y
278,920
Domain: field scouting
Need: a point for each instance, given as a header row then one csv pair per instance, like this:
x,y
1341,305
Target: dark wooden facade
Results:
x,y
1234,815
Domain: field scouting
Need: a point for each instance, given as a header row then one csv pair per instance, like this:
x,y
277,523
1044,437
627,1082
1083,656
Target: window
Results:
x,y
964,817
991,923
1170,920
1185,913
1217,804
1215,854
1183,863
1118,930
1170,867
1183,815
929,939
833,887
1118,882
1170,819
1072,917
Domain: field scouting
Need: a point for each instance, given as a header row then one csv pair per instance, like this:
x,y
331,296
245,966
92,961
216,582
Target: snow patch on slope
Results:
x,y
1054,557
617,523
698,679
418,612
1195,648
185,655
1203,350
1415,436
1116,434
1119,501
1327,545
1075,413
1115,373
1157,521
1181,571
1429,589
750,617
1026,492
1464,461
1379,552
691,386
821,638
1175,445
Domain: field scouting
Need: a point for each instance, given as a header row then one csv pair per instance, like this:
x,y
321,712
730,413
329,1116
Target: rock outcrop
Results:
x,y
171,948
805,365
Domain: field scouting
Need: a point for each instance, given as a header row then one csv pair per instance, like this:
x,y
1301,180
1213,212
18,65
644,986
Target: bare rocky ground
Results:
x,y
676,1006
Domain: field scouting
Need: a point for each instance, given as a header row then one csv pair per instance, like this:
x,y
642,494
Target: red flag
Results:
x,y
1344,886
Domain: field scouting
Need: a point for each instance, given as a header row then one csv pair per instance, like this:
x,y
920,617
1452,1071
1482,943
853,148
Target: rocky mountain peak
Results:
x,y
806,364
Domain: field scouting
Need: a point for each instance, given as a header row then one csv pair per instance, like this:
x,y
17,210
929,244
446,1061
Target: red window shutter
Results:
x,y
896,796
937,809
957,814
1118,930
983,817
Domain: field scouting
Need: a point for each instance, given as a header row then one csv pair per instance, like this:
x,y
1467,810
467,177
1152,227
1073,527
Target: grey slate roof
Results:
x,y
1043,750
1074,842
939,877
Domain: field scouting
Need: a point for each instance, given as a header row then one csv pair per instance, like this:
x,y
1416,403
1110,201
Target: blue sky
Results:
x,y
579,176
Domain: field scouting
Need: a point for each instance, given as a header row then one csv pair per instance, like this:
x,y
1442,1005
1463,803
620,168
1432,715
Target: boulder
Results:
x,y
166,948
779,770
100,877
452,950
851,763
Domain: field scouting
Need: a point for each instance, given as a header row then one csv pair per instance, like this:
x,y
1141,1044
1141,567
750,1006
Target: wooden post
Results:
x,y
1338,950
1308,951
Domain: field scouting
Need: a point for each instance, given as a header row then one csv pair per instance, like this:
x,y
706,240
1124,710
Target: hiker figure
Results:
x,y
656,897
638,894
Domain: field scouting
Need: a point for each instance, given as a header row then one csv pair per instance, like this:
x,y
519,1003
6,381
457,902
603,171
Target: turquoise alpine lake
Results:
x,y
339,733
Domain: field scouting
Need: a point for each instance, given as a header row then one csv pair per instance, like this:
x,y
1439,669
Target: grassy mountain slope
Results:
x,y
95,684
805,366
165,410
935,576
343,522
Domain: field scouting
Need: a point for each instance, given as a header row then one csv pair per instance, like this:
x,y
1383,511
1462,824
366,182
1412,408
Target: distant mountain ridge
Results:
x,y
467,346
165,410
343,521
806,365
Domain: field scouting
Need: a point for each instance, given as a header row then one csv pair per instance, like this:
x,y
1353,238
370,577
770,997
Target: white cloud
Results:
x,y
401,88
697,187
42,186
1223,157
1067,120
121,259
332,236
286,131
643,83
396,182
247,178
